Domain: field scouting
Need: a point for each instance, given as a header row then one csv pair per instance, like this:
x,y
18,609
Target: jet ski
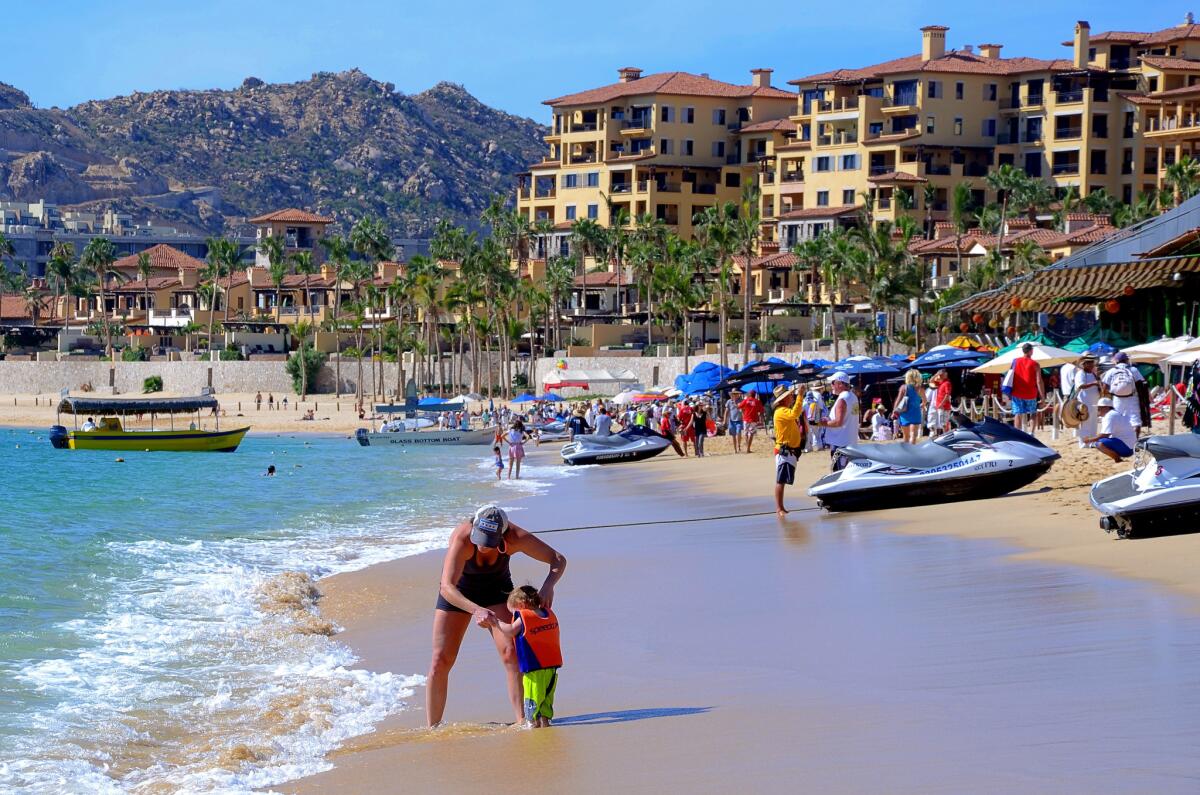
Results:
x,y
1159,497
556,431
635,443
975,460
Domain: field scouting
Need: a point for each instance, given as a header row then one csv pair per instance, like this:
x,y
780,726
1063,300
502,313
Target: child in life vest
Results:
x,y
534,630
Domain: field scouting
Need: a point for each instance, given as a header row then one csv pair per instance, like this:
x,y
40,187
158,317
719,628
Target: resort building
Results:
x,y
667,145
901,134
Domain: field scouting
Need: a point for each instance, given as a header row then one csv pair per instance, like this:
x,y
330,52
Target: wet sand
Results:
x,y
819,653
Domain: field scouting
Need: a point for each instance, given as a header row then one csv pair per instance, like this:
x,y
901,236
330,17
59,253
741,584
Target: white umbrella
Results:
x,y
626,397
1186,355
1153,352
1044,355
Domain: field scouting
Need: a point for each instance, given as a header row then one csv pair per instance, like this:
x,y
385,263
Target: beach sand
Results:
x,y
698,655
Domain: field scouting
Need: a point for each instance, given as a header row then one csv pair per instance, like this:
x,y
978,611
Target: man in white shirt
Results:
x,y
1117,437
603,423
841,429
89,425
1087,392
1066,378
1121,384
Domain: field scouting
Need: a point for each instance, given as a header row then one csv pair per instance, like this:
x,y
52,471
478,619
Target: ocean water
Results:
x,y
157,622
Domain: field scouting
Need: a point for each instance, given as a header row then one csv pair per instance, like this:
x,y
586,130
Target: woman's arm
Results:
x,y
452,569
524,541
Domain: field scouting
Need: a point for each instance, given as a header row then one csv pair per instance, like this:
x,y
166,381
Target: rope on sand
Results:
x,y
670,521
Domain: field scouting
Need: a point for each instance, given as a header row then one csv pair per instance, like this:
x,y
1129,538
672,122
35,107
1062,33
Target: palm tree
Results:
x,y
399,294
929,198
1101,202
1027,256
961,204
1006,181
337,251
98,256
560,275
616,242
715,228
746,231
62,272
33,303
587,237
6,248
274,249
1145,207
1183,179
885,266
303,264
646,251
675,282
145,268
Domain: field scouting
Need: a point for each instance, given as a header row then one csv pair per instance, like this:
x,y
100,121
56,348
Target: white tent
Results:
x,y
1154,352
588,379
1185,355
1044,355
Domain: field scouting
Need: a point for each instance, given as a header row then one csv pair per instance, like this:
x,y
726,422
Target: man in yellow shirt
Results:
x,y
789,440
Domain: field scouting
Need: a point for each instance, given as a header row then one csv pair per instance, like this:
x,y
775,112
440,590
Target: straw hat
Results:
x,y
781,391
1073,413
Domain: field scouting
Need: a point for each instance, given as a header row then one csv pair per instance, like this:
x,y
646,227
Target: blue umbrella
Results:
x,y
550,397
704,378
525,398
1101,349
820,364
861,365
934,360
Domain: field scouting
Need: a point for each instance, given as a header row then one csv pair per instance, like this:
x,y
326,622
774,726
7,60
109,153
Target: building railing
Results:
x,y
1068,97
792,176
637,123
883,169
621,187
938,169
584,127
1065,169
1067,133
544,193
904,100
1166,123
838,105
709,189
590,157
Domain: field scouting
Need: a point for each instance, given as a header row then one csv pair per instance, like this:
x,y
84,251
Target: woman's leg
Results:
x,y
448,631
508,656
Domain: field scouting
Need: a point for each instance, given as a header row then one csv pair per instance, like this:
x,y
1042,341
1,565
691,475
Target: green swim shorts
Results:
x,y
539,693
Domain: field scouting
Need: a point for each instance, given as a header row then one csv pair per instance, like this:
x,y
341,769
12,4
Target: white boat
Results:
x,y
373,438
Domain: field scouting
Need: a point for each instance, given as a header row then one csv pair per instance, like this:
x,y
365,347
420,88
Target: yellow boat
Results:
x,y
109,433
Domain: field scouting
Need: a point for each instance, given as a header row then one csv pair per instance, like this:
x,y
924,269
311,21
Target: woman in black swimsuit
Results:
x,y
475,585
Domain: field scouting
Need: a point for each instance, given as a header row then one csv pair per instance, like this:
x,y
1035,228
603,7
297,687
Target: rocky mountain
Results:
x,y
341,144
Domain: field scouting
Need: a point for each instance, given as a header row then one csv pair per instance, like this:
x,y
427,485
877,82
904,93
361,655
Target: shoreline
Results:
x,y
385,610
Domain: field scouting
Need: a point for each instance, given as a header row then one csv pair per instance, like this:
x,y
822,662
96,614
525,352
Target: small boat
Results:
x,y
374,438
635,443
976,460
1160,497
111,433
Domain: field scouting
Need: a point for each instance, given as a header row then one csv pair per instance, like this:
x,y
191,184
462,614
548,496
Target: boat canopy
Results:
x,y
114,406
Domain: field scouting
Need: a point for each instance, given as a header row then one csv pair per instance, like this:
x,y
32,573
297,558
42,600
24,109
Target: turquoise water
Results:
x,y
156,627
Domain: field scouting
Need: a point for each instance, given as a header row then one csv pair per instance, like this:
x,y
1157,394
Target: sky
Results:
x,y
511,55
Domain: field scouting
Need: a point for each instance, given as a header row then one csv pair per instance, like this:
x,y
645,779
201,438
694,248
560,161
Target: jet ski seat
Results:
x,y
924,455
1180,445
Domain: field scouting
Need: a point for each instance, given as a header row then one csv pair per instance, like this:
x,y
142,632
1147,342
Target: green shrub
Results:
x,y
135,355
520,381
152,384
313,359
231,355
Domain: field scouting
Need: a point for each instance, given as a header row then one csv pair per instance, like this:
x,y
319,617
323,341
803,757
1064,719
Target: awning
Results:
x,y
560,379
114,406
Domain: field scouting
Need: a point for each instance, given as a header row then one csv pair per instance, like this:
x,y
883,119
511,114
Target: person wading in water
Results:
x,y
475,585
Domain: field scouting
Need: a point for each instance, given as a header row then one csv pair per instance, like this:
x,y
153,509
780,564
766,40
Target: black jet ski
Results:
x,y
1160,496
635,443
974,461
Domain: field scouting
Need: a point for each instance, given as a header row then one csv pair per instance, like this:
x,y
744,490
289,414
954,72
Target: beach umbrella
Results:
x,y
861,365
550,397
703,378
1099,349
525,398
820,364
764,376
947,357
1186,355
1154,352
1044,355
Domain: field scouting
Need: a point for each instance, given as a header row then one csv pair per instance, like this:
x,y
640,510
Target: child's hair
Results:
x,y
496,449
525,598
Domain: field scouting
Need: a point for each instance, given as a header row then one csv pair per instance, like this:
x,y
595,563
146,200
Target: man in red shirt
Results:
x,y
752,411
941,402
1027,388
686,431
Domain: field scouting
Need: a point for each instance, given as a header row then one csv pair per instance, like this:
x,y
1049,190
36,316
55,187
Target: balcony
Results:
x,y
544,193
174,318
777,296
792,176
904,101
885,168
1068,97
883,203
621,187
584,127
839,105
1065,169
1068,133
1185,124
843,138
588,157
636,125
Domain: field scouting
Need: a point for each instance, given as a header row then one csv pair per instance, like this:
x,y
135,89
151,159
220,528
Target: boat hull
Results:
x,y
416,438
182,441
877,496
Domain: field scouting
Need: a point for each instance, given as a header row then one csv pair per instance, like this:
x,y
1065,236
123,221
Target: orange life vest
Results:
x,y
537,645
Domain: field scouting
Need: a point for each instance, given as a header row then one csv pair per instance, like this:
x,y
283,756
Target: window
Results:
x,y
570,181
989,92
934,89
958,126
1127,162
593,179
1099,163
874,128
593,211
689,115
989,128
570,212
665,113
822,163
689,147
822,198
733,179
929,124
847,196
848,163
718,147
1152,84
1100,125
664,146
958,90
1100,93
1127,130
719,116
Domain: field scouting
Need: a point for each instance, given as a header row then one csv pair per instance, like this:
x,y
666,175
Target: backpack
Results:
x,y
1122,382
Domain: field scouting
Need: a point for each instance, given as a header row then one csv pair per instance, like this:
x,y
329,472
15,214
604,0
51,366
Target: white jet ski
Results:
x,y
635,443
556,431
973,461
1160,496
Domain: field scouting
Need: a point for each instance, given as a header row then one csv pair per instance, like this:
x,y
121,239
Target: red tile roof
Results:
x,y
778,260
14,307
1177,33
155,283
291,215
786,125
1175,92
162,257
954,62
1118,36
1137,99
671,83
818,212
1167,62
897,176
605,279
